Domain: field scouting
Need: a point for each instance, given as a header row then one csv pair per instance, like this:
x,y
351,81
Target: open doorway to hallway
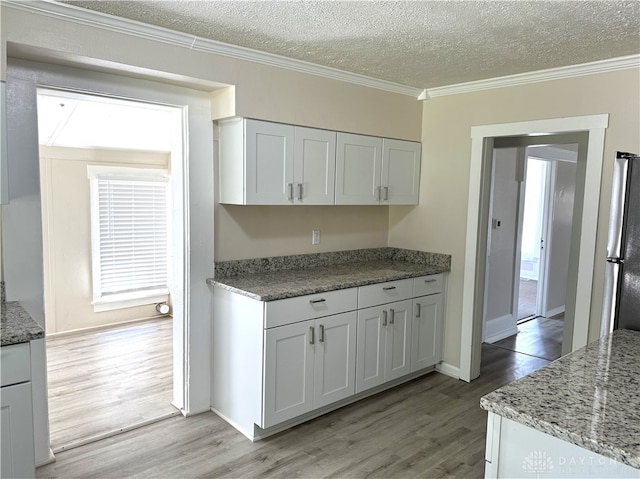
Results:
x,y
105,167
531,205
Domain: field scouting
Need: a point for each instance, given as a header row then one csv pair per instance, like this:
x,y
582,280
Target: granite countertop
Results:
x,y
16,325
590,398
269,279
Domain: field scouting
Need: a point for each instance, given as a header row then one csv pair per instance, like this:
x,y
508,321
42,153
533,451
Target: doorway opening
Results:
x,y
108,210
591,130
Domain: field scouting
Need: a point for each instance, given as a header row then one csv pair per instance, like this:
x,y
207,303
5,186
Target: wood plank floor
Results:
x,y
540,337
431,427
105,380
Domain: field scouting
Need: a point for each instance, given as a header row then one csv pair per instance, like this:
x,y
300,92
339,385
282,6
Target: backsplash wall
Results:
x,y
243,232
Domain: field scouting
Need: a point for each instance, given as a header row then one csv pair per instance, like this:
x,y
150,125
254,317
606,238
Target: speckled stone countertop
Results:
x,y
269,279
16,326
590,398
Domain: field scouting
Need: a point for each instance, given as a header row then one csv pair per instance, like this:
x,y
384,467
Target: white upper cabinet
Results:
x,y
371,171
314,166
358,169
265,163
400,172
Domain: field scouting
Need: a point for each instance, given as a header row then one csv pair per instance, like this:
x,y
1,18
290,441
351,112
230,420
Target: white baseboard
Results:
x,y
500,328
448,370
501,335
552,312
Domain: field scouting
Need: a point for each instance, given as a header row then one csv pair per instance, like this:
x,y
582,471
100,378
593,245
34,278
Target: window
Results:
x,y
129,226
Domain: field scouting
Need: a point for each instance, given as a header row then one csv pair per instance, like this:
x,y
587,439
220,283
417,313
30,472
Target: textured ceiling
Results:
x,y
423,44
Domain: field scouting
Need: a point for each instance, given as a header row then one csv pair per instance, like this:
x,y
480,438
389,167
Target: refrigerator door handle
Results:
x,y
615,260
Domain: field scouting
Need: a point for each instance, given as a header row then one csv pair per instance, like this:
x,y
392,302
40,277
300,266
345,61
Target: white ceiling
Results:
x,y
424,44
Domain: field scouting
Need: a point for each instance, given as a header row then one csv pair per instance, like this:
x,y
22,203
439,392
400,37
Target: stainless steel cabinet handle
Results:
x,y
316,301
378,193
384,318
418,308
430,280
311,335
388,288
300,191
386,193
290,191
392,314
321,339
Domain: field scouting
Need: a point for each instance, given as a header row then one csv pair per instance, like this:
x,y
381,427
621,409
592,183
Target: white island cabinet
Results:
x,y
279,363
17,459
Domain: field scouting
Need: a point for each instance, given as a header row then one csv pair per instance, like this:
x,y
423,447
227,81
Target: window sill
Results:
x,y
129,300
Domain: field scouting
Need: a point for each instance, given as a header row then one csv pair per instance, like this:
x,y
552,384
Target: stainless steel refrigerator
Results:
x,y
621,308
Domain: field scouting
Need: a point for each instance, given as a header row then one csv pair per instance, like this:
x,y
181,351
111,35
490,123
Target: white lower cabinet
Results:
x,y
278,363
308,365
384,340
426,334
17,458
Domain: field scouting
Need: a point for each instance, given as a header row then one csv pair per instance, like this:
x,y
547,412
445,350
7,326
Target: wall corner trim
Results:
x,y
448,370
602,66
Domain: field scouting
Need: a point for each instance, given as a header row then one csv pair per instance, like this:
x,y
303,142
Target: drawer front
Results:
x,y
383,293
292,310
15,364
425,285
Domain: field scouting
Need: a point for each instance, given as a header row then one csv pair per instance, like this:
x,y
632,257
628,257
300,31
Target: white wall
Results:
x,y
501,312
66,216
559,244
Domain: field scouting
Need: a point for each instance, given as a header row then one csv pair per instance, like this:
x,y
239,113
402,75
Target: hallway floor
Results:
x,y
539,337
106,380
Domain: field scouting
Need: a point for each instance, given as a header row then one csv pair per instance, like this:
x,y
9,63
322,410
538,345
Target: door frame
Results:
x,y
475,260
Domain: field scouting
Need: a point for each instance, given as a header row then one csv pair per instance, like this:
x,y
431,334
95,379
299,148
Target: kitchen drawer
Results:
x,y
425,285
382,293
300,308
15,364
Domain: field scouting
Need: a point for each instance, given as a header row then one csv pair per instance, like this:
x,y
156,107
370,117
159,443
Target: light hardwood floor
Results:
x,y
431,427
106,380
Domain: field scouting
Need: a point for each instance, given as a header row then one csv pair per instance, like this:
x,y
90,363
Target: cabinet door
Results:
x,y
269,163
398,340
314,167
400,172
426,338
16,434
335,360
358,169
370,347
288,372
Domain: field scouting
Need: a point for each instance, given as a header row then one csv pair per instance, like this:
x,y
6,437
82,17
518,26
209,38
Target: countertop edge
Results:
x,y
220,282
17,325
605,449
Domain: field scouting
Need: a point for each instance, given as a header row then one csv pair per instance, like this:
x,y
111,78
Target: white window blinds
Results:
x,y
129,224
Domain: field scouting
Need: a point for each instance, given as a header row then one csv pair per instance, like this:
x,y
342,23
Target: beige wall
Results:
x,y
67,236
439,222
262,92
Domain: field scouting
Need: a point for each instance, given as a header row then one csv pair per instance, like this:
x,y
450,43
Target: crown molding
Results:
x,y
602,66
138,29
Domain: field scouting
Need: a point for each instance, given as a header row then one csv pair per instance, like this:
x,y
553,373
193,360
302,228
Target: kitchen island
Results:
x,y
577,417
298,336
